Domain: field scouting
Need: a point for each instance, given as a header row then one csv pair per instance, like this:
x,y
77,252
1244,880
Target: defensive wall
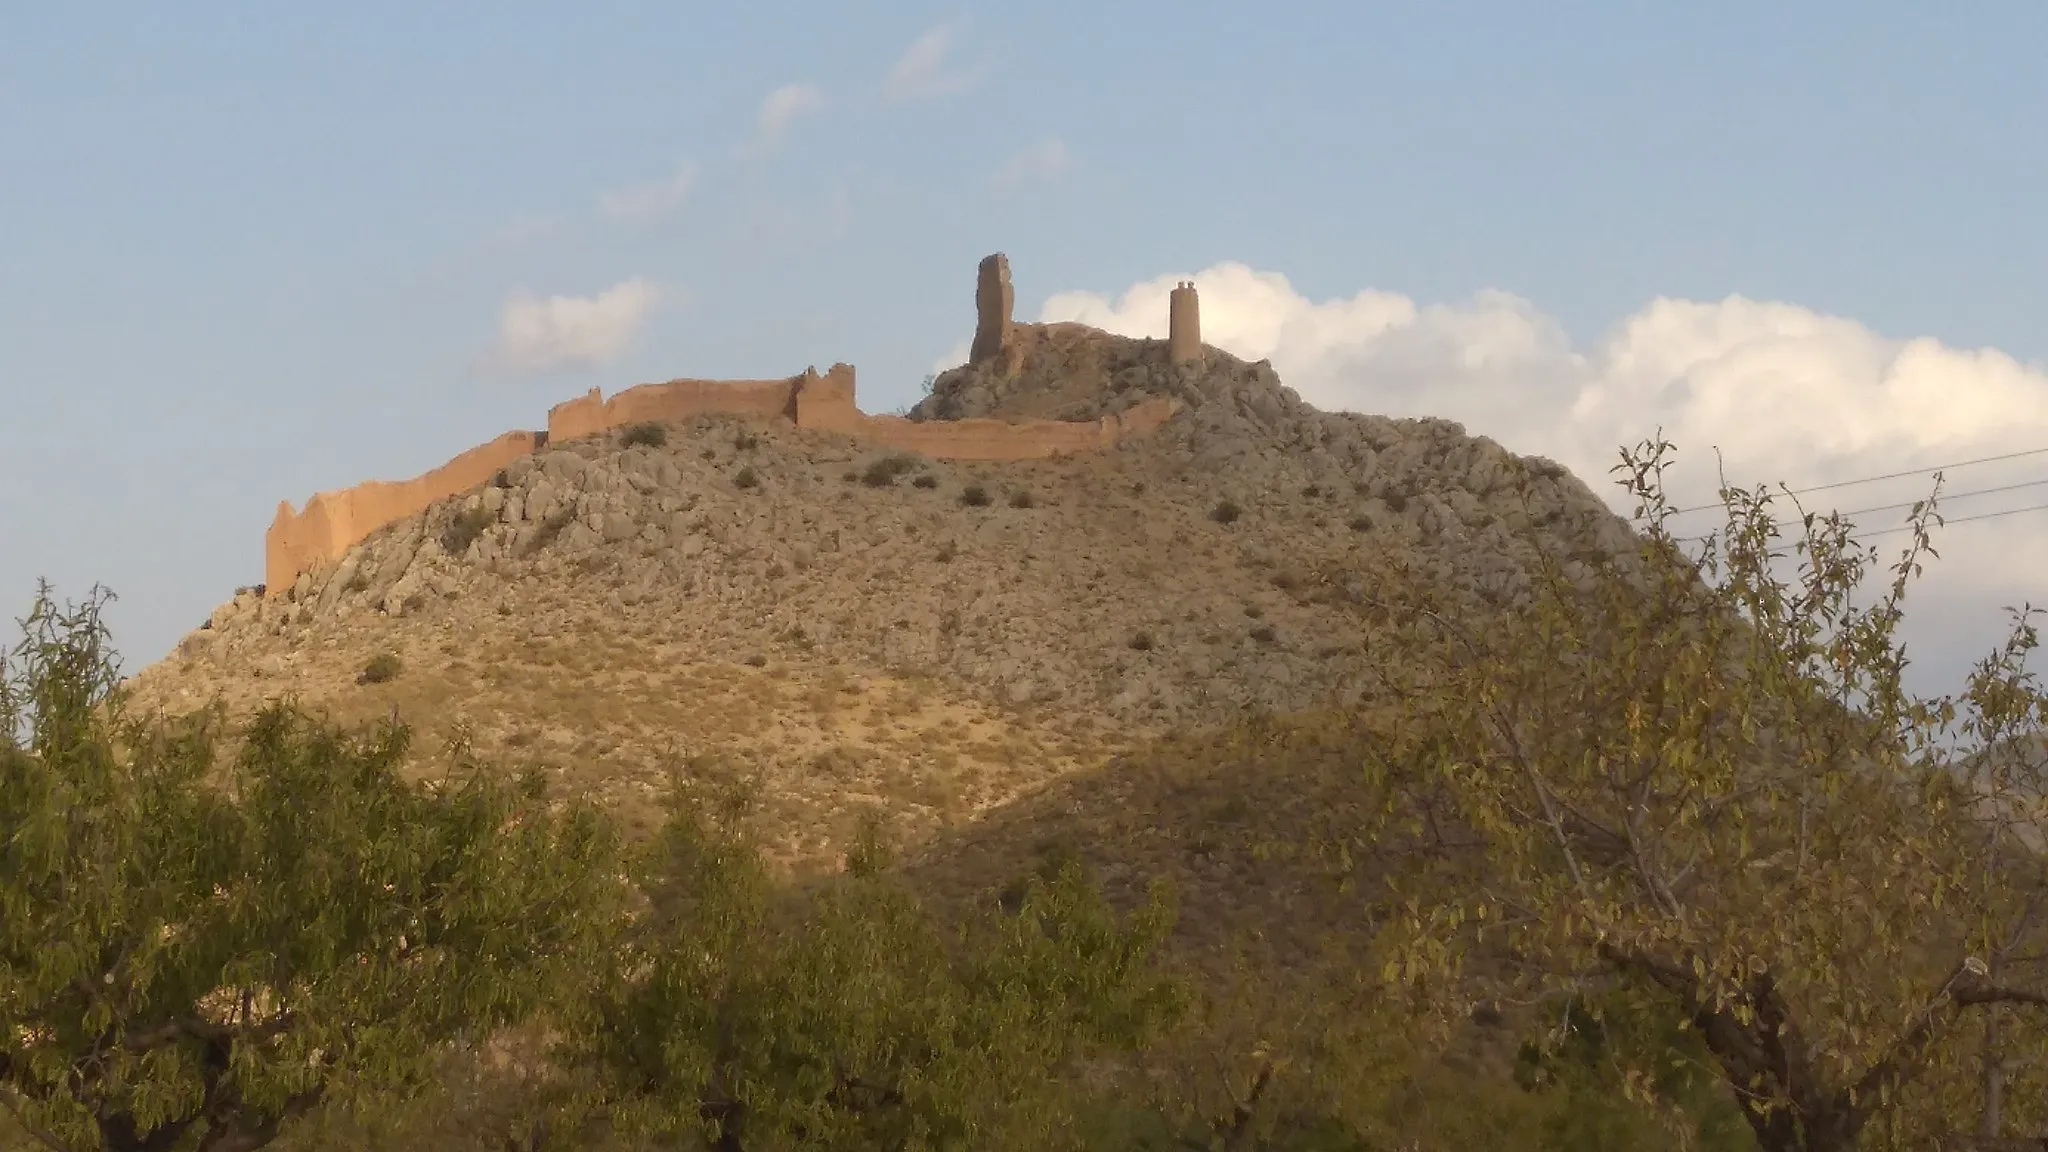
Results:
x,y
333,522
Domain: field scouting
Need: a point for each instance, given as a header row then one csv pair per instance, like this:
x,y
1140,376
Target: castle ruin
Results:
x,y
994,300
1184,325
301,540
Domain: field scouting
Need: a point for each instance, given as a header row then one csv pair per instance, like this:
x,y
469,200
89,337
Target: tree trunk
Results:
x,y
1992,1119
1787,1130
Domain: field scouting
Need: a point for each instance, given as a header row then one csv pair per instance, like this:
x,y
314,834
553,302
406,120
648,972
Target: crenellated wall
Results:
x,y
671,402
333,522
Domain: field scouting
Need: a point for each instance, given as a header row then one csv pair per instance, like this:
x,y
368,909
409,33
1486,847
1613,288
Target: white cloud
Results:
x,y
921,73
644,201
536,334
781,107
1785,394
1041,161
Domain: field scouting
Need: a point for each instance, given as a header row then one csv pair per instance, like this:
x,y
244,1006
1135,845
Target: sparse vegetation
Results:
x,y
746,477
1263,633
464,528
1022,498
745,441
646,434
1141,642
550,530
1225,512
974,496
883,472
382,668
924,480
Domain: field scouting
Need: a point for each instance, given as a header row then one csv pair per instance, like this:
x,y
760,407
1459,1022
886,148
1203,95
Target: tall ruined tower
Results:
x,y
1184,325
993,300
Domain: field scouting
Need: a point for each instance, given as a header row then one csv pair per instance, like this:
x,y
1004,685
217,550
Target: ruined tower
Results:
x,y
1184,325
993,299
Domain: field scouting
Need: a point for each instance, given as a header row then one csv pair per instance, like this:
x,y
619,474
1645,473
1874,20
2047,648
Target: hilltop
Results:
x,y
1121,599
867,626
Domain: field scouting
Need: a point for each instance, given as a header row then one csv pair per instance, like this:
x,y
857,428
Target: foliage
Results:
x,y
1226,512
645,434
883,472
1586,1058
193,949
848,1017
974,496
382,668
550,529
463,529
1700,778
746,477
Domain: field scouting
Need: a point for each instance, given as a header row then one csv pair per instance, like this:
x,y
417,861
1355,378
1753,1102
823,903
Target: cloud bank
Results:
x,y
539,334
1783,392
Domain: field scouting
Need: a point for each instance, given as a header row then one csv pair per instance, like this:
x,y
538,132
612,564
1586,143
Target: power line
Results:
x,y
1909,505
1885,476
1958,520
1945,522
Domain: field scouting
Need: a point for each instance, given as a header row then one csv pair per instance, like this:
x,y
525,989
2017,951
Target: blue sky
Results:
x,y
248,252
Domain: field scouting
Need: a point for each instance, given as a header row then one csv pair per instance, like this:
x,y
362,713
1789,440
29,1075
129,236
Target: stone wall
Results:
x,y
333,522
671,402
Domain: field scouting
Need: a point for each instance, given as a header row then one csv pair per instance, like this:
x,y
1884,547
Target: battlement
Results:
x,y
333,522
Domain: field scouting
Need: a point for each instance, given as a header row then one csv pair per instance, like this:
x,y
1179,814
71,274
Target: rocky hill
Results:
x,y
867,628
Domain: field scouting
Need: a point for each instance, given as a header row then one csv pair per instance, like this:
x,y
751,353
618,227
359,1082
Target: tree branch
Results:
x,y
46,1139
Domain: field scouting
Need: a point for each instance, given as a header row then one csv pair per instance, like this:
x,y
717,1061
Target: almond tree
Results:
x,y
195,949
849,1016
1693,775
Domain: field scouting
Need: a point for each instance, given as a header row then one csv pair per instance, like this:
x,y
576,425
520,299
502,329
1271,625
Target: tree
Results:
x,y
195,948
848,1016
1696,776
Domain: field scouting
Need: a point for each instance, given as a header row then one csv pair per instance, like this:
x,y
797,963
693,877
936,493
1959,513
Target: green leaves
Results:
x,y
1702,773
847,1015
204,948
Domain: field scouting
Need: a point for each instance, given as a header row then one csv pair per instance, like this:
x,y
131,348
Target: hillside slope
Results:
x,y
864,628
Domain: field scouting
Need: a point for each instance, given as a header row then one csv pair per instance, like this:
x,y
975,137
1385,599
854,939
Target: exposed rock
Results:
x,y
1221,566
